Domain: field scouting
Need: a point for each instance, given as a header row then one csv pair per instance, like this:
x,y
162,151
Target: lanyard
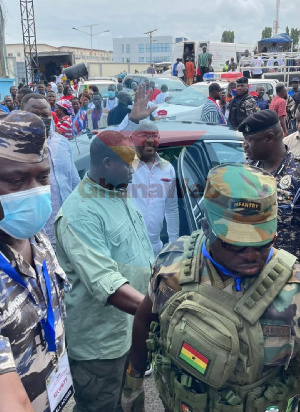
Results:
x,y
48,324
227,272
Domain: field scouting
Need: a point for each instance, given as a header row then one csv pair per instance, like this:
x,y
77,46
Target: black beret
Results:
x,y
258,122
242,80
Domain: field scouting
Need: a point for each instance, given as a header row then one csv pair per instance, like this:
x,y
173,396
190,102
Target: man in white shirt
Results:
x,y
153,187
293,140
246,62
53,84
258,63
180,69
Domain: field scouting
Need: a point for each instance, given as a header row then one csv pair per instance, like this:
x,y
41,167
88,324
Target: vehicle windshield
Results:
x,y
189,97
103,88
173,85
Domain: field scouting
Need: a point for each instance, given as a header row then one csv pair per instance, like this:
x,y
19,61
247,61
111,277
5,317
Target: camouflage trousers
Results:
x,y
97,384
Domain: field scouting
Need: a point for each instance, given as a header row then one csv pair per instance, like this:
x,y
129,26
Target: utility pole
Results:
x,y
276,21
91,34
150,34
29,38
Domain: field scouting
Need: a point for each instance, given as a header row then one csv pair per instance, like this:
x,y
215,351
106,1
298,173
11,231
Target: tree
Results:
x,y
266,33
295,35
227,36
287,30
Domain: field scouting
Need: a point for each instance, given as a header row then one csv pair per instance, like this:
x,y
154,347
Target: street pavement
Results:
x,y
153,403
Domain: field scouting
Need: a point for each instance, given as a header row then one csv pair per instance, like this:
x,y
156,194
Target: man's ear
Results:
x,y
270,137
107,162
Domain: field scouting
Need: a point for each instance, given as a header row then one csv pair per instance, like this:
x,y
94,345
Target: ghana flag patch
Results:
x,y
193,358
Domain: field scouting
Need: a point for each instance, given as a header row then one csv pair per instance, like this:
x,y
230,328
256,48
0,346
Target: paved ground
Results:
x,y
153,403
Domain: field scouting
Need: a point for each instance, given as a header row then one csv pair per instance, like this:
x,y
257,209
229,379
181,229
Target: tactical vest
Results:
x,y
237,111
208,348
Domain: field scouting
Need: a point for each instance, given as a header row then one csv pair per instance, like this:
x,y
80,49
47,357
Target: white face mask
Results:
x,y
26,212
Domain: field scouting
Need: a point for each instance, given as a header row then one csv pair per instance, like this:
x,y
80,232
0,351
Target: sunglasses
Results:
x,y
240,249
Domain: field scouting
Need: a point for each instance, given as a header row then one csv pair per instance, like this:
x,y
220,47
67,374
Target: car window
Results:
x,y
189,97
170,154
173,85
103,88
225,152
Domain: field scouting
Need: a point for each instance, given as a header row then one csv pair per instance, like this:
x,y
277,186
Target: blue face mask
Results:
x,y
26,213
111,94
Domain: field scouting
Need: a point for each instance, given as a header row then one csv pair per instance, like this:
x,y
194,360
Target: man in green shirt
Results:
x,y
102,245
204,62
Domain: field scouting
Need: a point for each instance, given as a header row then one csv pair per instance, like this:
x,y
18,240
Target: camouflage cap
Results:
x,y
240,203
23,137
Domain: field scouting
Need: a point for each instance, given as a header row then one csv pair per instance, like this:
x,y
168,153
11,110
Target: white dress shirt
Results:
x,y
153,191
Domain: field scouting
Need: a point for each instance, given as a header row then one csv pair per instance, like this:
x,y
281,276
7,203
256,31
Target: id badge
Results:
x,y
59,385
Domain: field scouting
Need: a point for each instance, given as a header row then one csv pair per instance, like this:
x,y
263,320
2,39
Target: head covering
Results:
x,y
295,80
240,204
23,137
66,104
259,122
242,80
119,144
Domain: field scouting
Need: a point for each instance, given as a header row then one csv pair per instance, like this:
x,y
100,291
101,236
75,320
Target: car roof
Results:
x,y
184,133
155,76
102,81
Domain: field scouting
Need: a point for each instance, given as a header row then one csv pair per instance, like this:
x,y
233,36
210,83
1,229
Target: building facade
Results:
x,y
137,49
81,55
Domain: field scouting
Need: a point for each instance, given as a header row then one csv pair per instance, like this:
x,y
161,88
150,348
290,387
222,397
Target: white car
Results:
x,y
101,83
187,105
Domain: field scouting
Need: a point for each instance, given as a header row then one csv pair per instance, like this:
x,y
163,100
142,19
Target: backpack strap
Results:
x,y
189,272
266,287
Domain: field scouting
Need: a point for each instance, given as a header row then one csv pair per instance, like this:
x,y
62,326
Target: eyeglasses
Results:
x,y
240,249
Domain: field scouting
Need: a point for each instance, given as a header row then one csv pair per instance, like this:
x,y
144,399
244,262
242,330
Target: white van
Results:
x,y
220,51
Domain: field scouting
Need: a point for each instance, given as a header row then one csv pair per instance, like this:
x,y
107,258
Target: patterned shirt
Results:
x,y
278,104
22,342
211,113
65,126
79,122
204,59
288,196
165,283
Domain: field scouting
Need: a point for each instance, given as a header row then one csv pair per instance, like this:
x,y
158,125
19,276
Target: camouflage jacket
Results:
x,y
240,108
288,184
164,283
22,342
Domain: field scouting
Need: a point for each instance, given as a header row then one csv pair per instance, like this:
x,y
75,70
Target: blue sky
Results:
x,y
55,19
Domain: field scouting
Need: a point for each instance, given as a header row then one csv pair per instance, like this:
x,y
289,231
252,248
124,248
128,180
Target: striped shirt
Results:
x,y
211,113
65,127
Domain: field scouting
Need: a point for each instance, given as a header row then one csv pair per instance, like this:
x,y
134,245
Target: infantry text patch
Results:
x,y
242,204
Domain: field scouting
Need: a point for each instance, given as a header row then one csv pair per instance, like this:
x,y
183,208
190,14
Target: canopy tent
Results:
x,y
273,43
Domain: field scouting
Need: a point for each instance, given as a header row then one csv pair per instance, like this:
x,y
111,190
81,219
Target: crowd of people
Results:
x,y
87,288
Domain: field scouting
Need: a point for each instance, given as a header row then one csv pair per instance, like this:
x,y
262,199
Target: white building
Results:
x,y
137,49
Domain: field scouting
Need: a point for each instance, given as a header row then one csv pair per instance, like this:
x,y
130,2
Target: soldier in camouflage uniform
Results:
x,y
264,147
223,305
242,105
25,360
